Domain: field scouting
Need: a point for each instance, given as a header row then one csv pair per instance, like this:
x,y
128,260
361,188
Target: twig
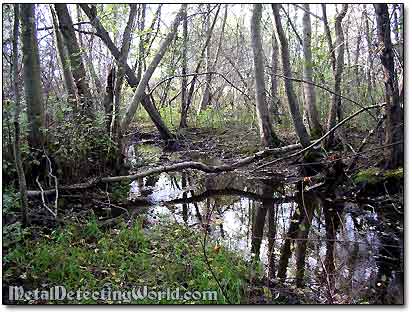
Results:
x,y
42,197
55,183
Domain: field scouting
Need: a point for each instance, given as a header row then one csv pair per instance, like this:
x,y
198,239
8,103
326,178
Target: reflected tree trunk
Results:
x,y
308,203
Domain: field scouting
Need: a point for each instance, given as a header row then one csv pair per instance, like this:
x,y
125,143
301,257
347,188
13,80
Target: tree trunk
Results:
x,y
17,151
394,114
108,98
335,108
183,112
370,60
267,135
65,64
87,56
309,89
130,75
275,100
142,56
292,99
124,52
206,94
32,80
76,62
140,91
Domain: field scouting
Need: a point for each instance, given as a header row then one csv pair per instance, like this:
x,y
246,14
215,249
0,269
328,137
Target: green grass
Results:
x,y
85,257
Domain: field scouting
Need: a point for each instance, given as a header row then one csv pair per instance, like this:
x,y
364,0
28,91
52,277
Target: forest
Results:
x,y
203,153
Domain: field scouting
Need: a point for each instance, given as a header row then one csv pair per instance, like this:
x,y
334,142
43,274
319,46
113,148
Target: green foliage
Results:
x,y
120,190
85,257
11,200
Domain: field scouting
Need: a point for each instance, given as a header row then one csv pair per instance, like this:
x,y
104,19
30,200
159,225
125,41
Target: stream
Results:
x,y
332,248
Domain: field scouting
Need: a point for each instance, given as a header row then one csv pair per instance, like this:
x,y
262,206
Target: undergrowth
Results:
x,y
87,257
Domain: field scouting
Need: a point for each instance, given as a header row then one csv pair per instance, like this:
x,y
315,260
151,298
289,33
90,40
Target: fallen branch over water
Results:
x,y
204,167
172,168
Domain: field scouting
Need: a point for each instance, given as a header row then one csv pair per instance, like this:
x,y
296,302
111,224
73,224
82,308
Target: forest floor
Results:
x,y
100,239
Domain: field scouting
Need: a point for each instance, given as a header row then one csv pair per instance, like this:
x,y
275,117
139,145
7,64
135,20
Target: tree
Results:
x,y
287,72
183,112
206,94
274,80
337,65
17,150
183,117
64,62
124,51
75,56
130,75
309,89
394,118
140,91
267,135
141,26
32,81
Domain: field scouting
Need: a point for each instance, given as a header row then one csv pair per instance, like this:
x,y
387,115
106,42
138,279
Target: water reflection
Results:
x,y
338,250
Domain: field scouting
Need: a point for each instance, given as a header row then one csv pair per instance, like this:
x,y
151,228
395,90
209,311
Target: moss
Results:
x,y
370,176
394,174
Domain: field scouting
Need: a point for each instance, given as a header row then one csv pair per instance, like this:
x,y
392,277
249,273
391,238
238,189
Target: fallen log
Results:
x,y
206,168
172,168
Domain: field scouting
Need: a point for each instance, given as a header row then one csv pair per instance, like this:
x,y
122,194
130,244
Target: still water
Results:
x,y
333,250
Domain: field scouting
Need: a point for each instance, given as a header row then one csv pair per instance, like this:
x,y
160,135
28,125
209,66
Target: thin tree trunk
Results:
x,y
206,94
394,114
357,54
275,100
267,135
32,80
142,56
292,99
17,151
308,89
140,91
328,37
76,62
64,61
336,99
183,111
211,65
370,61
